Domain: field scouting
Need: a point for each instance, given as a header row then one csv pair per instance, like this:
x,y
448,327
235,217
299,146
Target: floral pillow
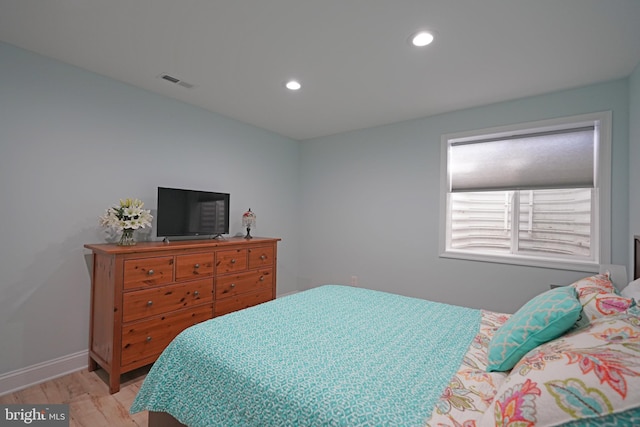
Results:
x,y
604,304
471,389
598,298
594,284
592,374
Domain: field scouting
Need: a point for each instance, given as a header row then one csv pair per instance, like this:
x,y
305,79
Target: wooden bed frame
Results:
x,y
162,419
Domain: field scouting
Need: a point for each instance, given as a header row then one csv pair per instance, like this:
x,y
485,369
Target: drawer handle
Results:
x,y
233,261
233,285
263,257
196,266
196,293
150,272
149,303
262,278
148,339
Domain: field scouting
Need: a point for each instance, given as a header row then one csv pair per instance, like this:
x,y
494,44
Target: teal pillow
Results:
x,y
542,319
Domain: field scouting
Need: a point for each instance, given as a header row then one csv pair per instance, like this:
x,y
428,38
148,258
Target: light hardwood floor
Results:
x,y
87,393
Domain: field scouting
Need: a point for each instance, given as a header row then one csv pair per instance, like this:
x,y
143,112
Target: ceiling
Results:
x,y
352,57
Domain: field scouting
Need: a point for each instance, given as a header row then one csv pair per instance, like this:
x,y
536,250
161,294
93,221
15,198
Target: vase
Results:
x,y
127,238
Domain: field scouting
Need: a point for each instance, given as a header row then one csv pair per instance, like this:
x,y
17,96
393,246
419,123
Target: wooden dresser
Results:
x,y
142,296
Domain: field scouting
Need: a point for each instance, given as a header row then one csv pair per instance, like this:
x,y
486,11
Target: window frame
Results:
x,y
601,206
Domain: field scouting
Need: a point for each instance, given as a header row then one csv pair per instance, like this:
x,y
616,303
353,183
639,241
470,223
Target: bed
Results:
x,y
345,356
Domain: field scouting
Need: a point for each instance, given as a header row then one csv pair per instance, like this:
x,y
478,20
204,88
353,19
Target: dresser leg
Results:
x,y
93,365
114,382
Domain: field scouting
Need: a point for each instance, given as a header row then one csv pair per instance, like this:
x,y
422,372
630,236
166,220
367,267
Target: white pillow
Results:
x,y
632,290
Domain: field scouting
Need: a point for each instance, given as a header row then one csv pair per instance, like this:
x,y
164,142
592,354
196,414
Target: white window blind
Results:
x,y
481,221
556,222
549,222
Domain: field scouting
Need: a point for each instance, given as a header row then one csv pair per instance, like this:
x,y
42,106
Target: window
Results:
x,y
533,194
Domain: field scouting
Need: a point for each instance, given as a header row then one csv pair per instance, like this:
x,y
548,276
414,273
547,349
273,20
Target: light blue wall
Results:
x,y
370,204
71,144
634,156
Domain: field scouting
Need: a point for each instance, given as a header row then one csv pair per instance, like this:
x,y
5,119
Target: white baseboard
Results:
x,y
41,372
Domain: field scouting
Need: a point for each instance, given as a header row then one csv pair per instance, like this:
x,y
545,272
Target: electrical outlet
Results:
x,y
354,280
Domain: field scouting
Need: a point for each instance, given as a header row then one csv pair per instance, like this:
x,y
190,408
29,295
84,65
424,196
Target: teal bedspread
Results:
x,y
330,356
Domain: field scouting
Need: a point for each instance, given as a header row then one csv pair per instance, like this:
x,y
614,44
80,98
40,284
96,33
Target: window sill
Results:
x,y
584,266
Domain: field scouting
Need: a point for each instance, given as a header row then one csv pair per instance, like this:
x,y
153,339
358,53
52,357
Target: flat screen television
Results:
x,y
191,213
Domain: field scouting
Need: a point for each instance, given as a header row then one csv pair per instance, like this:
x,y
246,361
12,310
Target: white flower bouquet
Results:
x,y
128,216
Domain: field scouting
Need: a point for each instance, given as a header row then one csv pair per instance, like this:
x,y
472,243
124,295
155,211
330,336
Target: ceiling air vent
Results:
x,y
175,80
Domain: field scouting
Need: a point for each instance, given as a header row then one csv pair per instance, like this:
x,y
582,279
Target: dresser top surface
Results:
x,y
112,248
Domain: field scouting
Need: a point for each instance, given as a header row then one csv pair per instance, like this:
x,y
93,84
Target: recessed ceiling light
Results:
x,y
421,38
293,85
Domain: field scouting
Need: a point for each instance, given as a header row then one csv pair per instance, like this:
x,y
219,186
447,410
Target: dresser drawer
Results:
x,y
149,302
227,305
231,261
144,272
193,266
260,257
144,341
234,284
